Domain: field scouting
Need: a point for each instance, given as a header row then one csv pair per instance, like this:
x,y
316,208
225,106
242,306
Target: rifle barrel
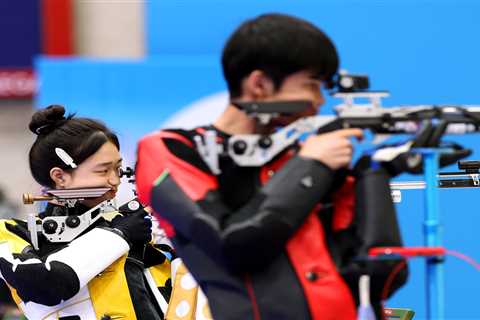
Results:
x,y
29,198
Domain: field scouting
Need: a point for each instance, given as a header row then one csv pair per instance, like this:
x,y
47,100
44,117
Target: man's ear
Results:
x,y
257,85
60,177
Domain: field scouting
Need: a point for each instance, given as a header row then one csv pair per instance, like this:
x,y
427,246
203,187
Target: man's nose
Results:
x,y
319,100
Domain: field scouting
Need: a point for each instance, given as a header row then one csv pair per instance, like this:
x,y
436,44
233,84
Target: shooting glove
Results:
x,y
134,223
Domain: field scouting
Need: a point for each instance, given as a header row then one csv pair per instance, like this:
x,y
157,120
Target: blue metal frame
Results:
x,y
432,231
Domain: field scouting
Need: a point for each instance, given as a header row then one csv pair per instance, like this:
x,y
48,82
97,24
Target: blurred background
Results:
x,y
141,65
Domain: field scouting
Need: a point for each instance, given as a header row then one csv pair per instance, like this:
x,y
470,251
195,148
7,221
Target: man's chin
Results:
x,y
284,121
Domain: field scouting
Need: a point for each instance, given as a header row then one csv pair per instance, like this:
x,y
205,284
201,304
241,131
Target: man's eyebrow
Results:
x,y
314,80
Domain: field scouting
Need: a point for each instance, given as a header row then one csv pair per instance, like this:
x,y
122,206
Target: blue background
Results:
x,y
421,51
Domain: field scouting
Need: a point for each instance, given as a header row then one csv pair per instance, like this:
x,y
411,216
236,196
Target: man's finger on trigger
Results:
x,y
351,132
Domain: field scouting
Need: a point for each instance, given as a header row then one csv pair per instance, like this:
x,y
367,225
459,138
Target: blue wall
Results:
x,y
422,51
133,97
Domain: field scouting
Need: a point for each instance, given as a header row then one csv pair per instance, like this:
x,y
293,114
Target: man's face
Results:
x,y
299,86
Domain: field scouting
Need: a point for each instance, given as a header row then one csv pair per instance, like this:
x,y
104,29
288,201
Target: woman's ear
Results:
x,y
257,85
60,177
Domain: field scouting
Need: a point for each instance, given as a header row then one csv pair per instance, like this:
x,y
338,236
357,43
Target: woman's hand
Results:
x,y
135,226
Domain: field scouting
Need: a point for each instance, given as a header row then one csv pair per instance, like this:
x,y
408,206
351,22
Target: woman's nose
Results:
x,y
114,178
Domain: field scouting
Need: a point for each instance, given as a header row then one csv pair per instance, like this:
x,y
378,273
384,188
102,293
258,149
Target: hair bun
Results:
x,y
45,120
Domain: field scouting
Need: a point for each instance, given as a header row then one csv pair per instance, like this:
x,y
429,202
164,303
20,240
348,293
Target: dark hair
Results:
x,y
79,137
279,45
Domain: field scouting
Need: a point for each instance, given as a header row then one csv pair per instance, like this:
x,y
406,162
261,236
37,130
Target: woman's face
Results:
x,y
99,170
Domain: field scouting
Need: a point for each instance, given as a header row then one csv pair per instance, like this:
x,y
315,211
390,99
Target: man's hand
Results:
x,y
334,149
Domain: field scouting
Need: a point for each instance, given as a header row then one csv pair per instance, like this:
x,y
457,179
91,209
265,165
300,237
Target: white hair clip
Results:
x,y
62,154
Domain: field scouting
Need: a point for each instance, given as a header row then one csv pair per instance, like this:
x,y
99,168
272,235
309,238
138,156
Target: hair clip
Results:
x,y
62,154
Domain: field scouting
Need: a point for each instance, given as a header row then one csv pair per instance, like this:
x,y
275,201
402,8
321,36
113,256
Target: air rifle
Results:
x,y
257,149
